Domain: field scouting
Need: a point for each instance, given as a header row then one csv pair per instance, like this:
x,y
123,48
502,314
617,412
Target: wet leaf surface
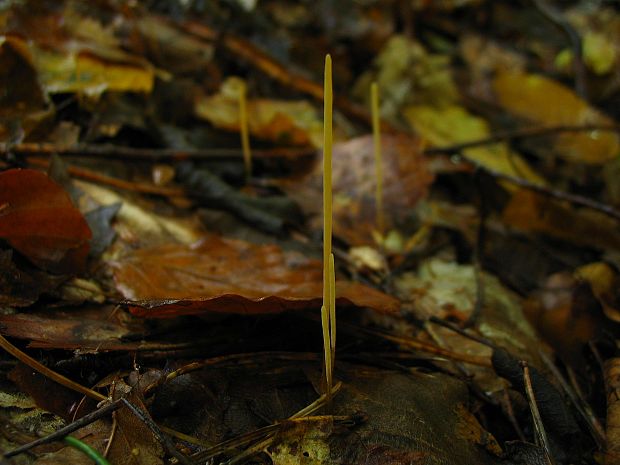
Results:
x,y
230,276
39,220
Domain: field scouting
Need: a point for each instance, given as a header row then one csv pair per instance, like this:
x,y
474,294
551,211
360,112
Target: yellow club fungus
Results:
x,y
245,133
376,132
328,310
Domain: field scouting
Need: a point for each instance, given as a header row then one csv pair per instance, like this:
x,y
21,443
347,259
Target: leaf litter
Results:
x,y
146,266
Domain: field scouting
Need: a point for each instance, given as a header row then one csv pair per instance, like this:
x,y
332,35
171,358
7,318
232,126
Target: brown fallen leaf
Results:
x,y
528,211
230,276
406,175
38,219
134,443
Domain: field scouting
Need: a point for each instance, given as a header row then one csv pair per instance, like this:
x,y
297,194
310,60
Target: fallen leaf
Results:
x,y
284,122
449,291
406,175
86,329
39,221
23,104
230,276
453,124
544,101
407,73
134,443
565,312
603,281
531,212
21,285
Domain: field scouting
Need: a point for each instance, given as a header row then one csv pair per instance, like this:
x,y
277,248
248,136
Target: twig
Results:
x,y
559,195
276,70
45,371
70,428
419,345
582,407
235,359
116,152
477,258
89,175
463,332
269,431
520,134
538,424
555,17
510,413
162,438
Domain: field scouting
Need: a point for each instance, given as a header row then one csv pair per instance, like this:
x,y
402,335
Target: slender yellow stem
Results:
x,y
245,133
327,218
376,131
332,308
326,349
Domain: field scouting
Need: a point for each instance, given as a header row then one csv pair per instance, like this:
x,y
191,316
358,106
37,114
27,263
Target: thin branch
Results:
x,y
538,423
154,154
421,346
70,428
247,51
45,371
165,441
595,427
559,195
523,133
555,17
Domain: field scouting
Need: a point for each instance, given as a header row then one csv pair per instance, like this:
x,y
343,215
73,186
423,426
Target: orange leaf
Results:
x,y
38,219
230,276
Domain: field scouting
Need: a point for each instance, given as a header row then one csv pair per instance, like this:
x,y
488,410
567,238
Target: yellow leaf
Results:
x,y
549,103
90,74
453,125
286,122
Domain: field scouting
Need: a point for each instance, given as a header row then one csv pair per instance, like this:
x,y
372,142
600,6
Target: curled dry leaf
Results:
x,y
230,276
406,175
38,219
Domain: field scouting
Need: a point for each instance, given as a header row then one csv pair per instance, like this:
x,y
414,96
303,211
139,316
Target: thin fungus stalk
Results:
x,y
245,133
326,309
332,308
376,132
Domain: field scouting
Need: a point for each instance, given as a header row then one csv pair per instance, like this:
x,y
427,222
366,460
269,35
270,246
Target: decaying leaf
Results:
x,y
449,290
407,73
546,102
38,219
452,124
407,179
134,443
404,425
285,122
528,211
566,313
230,276
72,52
603,281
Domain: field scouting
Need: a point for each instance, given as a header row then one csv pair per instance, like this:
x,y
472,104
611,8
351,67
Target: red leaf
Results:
x,y
231,276
38,219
